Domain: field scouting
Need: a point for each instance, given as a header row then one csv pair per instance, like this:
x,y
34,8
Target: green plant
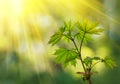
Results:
x,y
78,33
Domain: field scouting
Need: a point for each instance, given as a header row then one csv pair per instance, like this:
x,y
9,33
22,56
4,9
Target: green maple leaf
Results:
x,y
96,58
89,27
55,38
69,26
109,62
87,61
79,36
65,56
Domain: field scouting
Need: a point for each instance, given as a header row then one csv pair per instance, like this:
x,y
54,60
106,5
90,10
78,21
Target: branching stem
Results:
x,y
95,63
82,42
79,51
79,54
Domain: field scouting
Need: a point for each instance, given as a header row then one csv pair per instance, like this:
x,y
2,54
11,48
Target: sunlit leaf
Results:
x,y
55,38
87,38
89,27
69,26
109,62
93,25
62,29
78,36
65,56
66,39
73,62
95,31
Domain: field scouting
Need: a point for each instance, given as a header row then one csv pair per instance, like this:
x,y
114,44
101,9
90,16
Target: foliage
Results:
x,y
109,62
66,56
78,33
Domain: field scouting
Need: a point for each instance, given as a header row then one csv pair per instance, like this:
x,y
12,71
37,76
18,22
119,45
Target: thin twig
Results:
x,y
95,63
82,41
80,51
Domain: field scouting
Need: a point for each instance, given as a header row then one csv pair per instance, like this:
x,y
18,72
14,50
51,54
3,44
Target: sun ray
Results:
x,y
24,23
100,12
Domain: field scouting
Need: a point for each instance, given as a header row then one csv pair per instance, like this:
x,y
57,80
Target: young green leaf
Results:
x,y
87,61
62,29
88,27
109,62
65,56
96,58
78,36
55,38
73,62
61,55
87,38
69,26
95,31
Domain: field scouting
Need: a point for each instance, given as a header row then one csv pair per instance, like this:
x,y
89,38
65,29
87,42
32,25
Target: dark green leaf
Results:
x,y
96,58
62,29
87,61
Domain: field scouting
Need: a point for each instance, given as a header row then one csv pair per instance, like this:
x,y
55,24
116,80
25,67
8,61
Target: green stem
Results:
x,y
79,53
95,63
82,41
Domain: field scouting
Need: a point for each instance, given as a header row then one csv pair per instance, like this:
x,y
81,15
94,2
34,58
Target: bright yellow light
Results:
x,y
22,21
10,8
16,6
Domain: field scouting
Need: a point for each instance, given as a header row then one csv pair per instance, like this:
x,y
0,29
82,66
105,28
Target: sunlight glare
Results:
x,y
10,8
16,6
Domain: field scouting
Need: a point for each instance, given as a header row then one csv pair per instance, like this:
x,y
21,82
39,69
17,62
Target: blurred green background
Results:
x,y
26,27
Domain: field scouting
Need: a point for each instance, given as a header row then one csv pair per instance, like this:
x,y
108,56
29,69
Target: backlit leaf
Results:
x,y
109,62
69,26
63,28
73,62
55,38
89,27
78,36
65,56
